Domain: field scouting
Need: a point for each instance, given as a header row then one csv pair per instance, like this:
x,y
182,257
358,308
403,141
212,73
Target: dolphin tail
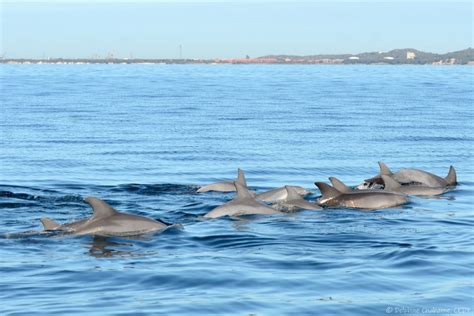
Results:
x,y
451,178
241,178
384,169
49,224
389,183
339,185
327,191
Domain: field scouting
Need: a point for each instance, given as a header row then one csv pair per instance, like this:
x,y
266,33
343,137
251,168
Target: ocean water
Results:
x,y
144,137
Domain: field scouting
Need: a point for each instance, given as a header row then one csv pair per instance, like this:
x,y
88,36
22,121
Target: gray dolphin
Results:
x,y
295,201
280,194
225,186
358,199
410,176
107,221
393,186
243,204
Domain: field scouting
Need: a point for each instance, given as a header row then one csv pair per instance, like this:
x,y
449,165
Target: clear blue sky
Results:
x,y
155,29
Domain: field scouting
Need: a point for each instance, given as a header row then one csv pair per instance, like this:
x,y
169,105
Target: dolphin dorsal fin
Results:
x,y
451,178
384,169
292,194
339,185
100,208
389,183
243,192
241,177
49,224
327,191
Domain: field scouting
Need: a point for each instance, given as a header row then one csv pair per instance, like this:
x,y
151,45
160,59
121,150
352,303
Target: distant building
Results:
x,y
389,58
353,58
411,55
450,61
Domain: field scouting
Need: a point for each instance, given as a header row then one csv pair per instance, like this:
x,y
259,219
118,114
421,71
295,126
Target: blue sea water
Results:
x,y
144,137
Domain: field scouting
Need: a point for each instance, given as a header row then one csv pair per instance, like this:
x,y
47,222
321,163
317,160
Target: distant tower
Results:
x,y
180,51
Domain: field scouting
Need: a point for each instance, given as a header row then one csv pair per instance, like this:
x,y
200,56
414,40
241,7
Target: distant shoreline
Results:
x,y
103,62
405,56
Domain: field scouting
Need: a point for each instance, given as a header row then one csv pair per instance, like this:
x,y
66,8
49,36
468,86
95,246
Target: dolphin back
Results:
x,y
327,191
451,178
339,185
100,208
390,184
243,192
49,224
292,194
384,170
241,178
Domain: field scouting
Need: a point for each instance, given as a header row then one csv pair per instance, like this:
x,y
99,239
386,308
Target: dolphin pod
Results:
x,y
387,189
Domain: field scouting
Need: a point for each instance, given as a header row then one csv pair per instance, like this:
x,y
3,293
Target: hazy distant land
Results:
x,y
396,56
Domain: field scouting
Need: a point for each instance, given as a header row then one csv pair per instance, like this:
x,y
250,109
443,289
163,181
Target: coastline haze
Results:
x,y
229,30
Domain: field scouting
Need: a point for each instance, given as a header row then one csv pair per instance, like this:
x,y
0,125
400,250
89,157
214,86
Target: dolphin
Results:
x,y
412,176
106,221
280,194
225,186
243,204
393,186
295,201
358,199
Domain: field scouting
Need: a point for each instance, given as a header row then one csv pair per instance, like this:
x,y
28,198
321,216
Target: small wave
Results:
x,y
20,196
428,139
234,241
156,189
28,200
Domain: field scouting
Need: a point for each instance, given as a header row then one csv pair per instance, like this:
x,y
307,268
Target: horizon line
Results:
x,y
110,55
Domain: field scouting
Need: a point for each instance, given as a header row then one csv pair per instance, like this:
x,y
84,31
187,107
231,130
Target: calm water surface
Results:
x,y
144,137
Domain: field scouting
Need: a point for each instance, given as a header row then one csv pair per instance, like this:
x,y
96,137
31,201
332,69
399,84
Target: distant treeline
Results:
x,y
396,56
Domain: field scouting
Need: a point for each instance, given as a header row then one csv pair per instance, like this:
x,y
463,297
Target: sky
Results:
x,y
229,29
